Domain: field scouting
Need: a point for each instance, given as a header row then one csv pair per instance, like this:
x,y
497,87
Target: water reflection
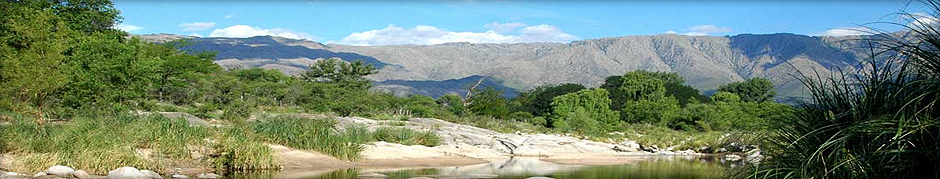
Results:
x,y
519,168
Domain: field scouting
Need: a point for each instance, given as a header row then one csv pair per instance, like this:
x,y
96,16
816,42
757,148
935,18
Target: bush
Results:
x,y
314,134
407,136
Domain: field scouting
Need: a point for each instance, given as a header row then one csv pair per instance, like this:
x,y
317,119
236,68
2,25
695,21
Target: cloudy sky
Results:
x,y
480,21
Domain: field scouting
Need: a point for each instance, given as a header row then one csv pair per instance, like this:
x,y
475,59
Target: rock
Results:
x,y
151,174
126,173
61,171
753,156
37,175
420,178
11,174
180,176
371,175
540,178
630,144
721,150
481,176
209,176
704,149
81,174
732,157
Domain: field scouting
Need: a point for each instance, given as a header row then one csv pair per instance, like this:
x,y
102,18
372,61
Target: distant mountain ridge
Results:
x,y
705,61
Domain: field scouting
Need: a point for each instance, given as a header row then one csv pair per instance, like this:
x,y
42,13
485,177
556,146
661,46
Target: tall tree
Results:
x,y
488,101
337,71
571,111
538,101
751,90
31,58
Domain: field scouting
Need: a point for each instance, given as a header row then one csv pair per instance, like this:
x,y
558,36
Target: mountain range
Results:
x,y
704,61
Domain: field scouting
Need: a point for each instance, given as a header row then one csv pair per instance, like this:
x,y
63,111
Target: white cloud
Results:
x,y
845,31
920,20
504,27
702,30
195,34
427,35
197,26
128,27
242,31
229,16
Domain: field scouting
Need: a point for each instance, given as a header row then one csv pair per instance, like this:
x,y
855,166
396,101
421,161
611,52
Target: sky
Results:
x,y
480,21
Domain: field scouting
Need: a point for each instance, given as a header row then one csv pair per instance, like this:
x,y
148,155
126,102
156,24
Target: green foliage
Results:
x,y
659,111
334,70
881,124
406,136
538,101
314,134
752,90
239,150
101,143
452,103
585,107
488,102
32,47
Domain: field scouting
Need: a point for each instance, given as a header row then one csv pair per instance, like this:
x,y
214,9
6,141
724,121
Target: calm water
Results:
x,y
520,168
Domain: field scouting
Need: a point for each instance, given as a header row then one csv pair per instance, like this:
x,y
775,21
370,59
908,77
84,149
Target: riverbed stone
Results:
x,y
126,173
81,174
208,176
420,178
540,178
60,171
151,174
178,176
371,175
40,174
732,157
481,176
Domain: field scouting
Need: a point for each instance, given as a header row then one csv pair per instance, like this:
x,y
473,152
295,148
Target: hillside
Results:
x,y
705,61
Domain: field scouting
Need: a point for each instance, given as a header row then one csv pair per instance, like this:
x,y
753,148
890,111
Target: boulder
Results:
x,y
732,157
126,173
180,176
371,175
540,178
8,174
151,174
37,175
60,171
81,174
208,176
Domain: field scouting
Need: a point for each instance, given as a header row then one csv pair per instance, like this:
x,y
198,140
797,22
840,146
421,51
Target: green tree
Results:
x,y
31,58
751,90
595,105
538,101
672,84
488,101
337,71
452,103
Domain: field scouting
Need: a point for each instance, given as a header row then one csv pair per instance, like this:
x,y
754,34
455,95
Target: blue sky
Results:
x,y
433,22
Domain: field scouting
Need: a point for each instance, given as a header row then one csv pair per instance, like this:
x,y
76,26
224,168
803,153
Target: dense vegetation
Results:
x,y
62,62
882,123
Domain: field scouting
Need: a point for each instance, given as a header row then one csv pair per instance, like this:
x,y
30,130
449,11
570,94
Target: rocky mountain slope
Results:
x,y
705,61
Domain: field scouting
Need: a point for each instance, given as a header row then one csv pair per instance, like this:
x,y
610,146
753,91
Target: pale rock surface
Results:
x,y
126,173
59,170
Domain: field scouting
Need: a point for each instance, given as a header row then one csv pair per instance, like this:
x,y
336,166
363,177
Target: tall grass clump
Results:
x,y
407,136
238,150
313,134
882,123
100,144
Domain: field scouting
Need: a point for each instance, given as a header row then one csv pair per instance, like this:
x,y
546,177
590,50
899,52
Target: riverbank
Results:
x,y
459,145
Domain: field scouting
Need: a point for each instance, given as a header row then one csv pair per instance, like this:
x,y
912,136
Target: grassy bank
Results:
x,y
100,144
